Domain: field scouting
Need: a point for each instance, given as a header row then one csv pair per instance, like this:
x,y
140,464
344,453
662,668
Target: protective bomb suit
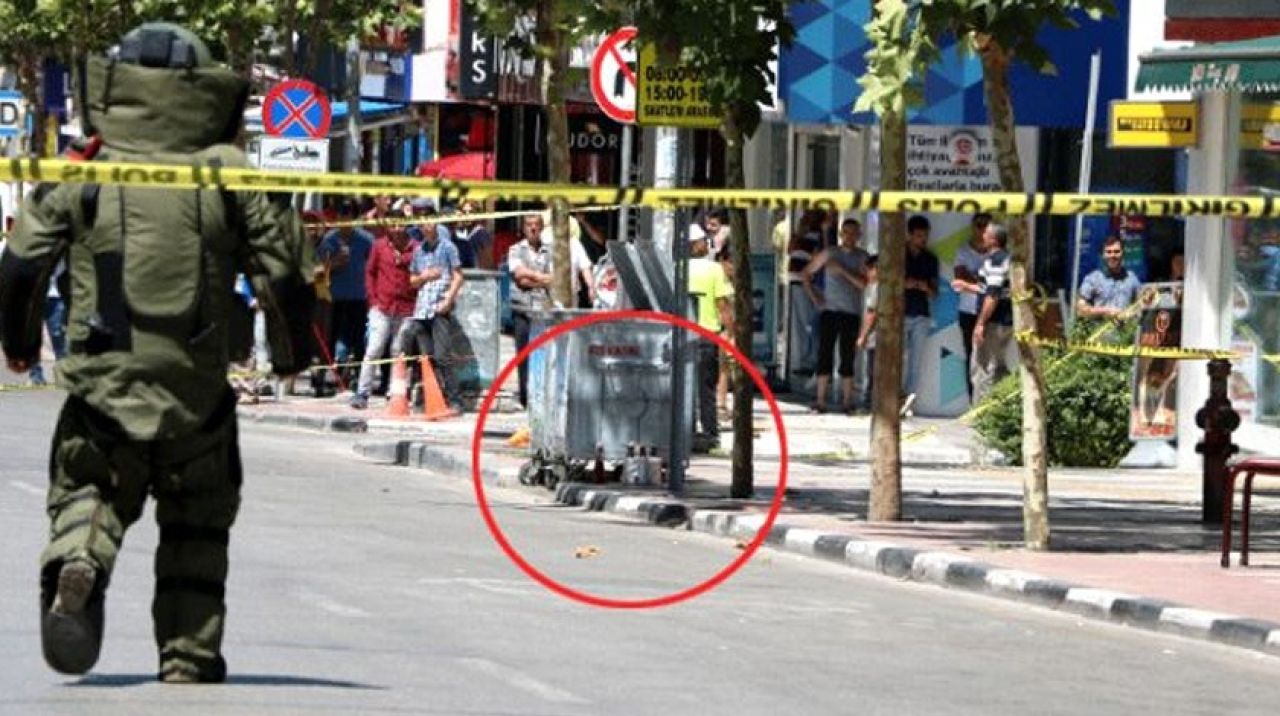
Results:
x,y
152,321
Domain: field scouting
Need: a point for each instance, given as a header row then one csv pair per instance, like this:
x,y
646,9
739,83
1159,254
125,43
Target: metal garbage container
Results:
x,y
477,353
600,399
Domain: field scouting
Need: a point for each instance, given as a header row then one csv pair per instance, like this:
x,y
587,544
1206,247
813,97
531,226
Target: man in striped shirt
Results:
x,y
993,332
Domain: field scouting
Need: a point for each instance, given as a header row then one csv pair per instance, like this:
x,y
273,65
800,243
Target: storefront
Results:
x,y
1232,297
819,142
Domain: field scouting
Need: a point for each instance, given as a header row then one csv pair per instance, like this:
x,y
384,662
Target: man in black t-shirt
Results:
x,y
921,287
993,333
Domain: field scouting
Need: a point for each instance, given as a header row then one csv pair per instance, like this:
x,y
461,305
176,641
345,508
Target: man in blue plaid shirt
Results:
x,y
436,270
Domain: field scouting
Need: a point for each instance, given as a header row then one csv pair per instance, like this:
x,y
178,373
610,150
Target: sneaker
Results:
x,y
71,626
818,408
360,402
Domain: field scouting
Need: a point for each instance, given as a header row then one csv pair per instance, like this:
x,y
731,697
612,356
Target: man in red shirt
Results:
x,y
391,302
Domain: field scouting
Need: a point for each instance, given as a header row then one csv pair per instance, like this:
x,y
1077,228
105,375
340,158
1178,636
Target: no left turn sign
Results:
x,y
613,76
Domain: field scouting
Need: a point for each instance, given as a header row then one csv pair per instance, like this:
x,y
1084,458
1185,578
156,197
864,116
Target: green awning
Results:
x,y
1251,66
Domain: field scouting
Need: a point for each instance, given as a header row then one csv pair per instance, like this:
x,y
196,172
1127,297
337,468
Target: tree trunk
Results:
x,y
886,434
29,86
555,67
288,26
1035,456
743,388
316,40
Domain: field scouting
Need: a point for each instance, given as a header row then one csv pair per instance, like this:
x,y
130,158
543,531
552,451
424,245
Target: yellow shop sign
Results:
x,y
1154,124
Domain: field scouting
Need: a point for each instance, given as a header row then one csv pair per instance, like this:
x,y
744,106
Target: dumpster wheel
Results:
x,y
554,474
529,472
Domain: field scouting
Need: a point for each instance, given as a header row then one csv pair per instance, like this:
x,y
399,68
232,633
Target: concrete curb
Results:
x,y
323,423
346,423
938,568
417,454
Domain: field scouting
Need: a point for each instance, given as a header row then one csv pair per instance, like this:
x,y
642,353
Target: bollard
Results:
x,y
1218,420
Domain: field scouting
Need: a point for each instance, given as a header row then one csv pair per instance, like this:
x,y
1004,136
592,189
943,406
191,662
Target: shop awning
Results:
x,y
1250,66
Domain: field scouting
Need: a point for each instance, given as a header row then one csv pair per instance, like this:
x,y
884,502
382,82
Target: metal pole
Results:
x,y
666,236
353,105
624,174
1086,174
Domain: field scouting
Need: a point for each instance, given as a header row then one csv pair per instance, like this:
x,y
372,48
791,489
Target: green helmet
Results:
x,y
163,45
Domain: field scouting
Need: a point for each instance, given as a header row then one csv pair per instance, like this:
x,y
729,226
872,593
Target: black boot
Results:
x,y
71,616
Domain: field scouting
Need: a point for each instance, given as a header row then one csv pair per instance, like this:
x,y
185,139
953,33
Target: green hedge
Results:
x,y
1088,406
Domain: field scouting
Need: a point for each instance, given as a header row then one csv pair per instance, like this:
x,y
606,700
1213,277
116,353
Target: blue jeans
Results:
x,y
55,320
386,337
916,333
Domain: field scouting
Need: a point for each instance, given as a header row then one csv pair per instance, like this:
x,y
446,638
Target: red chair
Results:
x,y
1250,467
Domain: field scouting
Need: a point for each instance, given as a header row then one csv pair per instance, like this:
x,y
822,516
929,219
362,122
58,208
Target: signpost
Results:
x,y
296,109
671,96
613,76
478,56
11,119
301,155
1154,124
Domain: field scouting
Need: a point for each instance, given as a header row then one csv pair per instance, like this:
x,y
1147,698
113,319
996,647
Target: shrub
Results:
x,y
1087,406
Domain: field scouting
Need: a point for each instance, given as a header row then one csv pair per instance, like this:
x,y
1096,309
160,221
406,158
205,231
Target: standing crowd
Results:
x,y
837,304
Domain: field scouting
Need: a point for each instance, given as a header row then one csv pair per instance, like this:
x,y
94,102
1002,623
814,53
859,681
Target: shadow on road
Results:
x,y
123,680
993,519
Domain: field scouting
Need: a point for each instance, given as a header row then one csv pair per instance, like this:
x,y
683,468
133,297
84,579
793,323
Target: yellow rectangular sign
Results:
x,y
1154,124
670,96
1260,126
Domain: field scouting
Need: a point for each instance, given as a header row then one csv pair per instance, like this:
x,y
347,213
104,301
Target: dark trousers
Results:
x,y
968,321
521,327
99,483
708,376
433,337
870,354
350,319
837,328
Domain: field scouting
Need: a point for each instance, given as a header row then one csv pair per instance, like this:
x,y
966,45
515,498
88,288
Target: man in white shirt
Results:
x,y
581,266
969,260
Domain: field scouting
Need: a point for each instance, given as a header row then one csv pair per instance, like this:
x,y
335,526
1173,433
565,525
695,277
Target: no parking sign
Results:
x,y
296,109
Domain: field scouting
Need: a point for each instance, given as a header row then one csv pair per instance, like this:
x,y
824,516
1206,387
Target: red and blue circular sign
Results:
x,y
296,109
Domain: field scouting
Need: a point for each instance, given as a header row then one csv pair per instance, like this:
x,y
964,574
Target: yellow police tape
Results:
x,y
327,366
205,176
1111,349
1092,345
444,218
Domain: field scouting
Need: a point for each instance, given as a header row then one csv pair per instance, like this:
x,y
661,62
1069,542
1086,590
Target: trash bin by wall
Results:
x,y
477,355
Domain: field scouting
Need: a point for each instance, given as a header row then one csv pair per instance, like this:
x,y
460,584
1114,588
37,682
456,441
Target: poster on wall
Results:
x,y
1153,413
1242,386
954,159
764,310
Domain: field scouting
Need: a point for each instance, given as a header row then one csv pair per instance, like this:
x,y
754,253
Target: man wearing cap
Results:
x,y
712,291
436,271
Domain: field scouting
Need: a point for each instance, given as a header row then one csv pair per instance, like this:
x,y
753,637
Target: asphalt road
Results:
x,y
358,588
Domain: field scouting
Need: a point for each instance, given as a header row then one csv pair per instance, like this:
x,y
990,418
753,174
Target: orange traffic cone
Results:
x,y
434,406
398,407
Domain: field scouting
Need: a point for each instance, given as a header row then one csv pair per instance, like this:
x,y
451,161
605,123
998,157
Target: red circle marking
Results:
x,y
277,94
610,48
662,601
